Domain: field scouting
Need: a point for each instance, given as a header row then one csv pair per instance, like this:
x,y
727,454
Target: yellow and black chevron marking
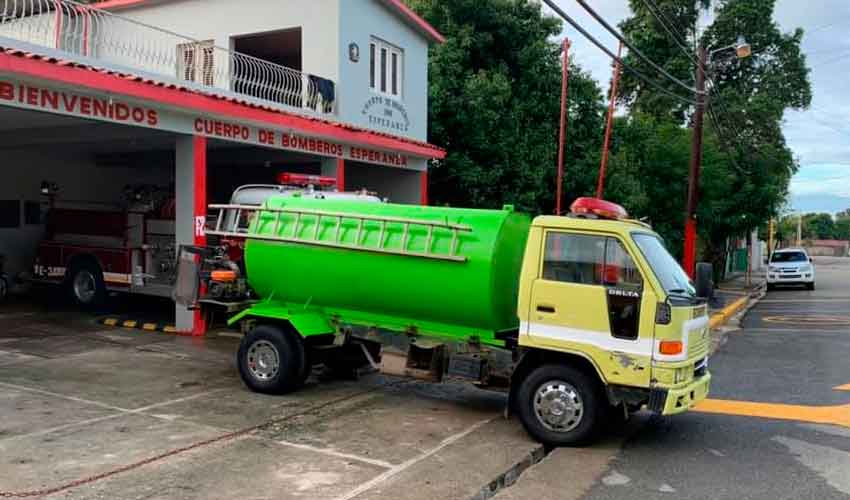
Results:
x,y
149,326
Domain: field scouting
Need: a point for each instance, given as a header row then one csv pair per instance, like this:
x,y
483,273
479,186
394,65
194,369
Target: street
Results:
x,y
792,353
94,412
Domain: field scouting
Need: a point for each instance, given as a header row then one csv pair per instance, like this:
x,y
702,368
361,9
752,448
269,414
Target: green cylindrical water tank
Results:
x,y
473,296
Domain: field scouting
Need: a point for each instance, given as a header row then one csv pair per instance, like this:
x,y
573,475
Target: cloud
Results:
x,y
825,179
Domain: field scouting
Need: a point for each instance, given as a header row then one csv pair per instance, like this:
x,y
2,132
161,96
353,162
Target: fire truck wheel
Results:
x,y
86,285
560,405
271,360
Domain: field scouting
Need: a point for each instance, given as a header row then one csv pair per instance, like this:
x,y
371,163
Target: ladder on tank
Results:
x,y
245,223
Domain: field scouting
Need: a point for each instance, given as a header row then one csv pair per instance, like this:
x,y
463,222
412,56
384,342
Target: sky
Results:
x,y
818,136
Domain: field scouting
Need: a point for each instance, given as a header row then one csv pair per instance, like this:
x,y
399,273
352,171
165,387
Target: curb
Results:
x,y
720,318
749,298
148,326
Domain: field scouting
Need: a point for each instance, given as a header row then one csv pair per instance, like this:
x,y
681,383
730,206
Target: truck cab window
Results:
x,y
574,258
620,268
624,284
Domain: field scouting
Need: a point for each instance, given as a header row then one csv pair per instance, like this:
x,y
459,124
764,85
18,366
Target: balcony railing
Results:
x,y
83,33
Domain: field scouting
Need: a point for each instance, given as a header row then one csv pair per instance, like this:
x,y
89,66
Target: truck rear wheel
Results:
x,y
560,405
86,285
271,360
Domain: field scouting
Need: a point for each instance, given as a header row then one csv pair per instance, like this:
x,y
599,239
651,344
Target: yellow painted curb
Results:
x,y
720,318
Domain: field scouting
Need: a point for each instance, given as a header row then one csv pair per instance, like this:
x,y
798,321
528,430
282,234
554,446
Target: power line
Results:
x,y
613,56
632,48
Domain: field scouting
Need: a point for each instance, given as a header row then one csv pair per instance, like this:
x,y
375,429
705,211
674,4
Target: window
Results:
x,y
574,258
665,267
589,260
32,213
10,214
789,257
620,268
195,62
386,68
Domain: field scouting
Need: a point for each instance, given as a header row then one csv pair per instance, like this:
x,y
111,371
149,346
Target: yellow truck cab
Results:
x,y
599,294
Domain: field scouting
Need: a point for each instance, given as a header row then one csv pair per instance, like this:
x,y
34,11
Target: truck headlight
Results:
x,y
806,269
773,269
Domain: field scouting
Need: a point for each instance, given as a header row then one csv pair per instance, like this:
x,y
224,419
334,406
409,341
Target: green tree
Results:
x,y
746,164
645,31
819,227
494,96
842,225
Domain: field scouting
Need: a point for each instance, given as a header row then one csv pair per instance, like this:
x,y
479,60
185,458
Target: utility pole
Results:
x,y
689,261
770,230
600,187
800,230
565,74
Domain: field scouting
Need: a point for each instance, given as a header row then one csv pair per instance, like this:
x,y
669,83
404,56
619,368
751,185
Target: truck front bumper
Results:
x,y
680,399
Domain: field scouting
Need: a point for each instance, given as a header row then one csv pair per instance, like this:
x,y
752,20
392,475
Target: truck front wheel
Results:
x,y
560,405
271,360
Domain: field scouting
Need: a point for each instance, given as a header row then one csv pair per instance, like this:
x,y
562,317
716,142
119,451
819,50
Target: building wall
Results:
x,y
361,20
219,20
396,185
78,178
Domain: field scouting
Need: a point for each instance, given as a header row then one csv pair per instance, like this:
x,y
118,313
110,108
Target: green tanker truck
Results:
x,y
573,317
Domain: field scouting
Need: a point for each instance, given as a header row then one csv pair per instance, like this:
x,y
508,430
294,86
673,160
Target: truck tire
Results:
x,y
4,289
560,405
86,286
271,360
810,286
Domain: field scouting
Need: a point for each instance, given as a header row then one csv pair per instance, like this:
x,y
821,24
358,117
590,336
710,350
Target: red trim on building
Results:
x,y
21,63
120,4
340,175
397,6
423,188
199,145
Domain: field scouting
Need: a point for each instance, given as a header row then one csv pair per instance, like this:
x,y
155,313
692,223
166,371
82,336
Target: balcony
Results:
x,y
82,33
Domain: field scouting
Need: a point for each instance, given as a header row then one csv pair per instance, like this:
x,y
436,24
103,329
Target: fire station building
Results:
x,y
202,96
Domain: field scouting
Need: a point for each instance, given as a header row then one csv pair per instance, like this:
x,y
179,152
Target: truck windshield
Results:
x,y
789,257
666,269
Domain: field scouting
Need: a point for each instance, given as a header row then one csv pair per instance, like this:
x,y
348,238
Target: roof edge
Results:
x,y
406,13
415,20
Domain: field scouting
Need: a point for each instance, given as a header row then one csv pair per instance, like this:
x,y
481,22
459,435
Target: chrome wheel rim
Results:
x,y
558,406
263,360
85,286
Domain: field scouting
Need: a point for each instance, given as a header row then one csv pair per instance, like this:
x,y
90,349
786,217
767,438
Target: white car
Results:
x,y
790,266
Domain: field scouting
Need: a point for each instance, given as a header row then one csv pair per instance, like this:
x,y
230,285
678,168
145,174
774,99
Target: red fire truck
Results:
x,y
94,249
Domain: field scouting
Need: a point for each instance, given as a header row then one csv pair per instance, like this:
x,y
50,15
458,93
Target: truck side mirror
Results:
x,y
704,280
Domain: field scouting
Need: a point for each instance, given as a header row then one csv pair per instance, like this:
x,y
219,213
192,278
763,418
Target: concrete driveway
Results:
x,y
92,412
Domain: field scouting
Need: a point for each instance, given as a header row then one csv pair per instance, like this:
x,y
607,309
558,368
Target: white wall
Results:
x,y
361,20
78,179
220,20
398,185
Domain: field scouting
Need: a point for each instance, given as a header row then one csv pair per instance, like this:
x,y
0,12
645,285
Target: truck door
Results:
x,y
589,298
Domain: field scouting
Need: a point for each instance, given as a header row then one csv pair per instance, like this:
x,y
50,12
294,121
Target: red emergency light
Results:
x,y
600,208
291,179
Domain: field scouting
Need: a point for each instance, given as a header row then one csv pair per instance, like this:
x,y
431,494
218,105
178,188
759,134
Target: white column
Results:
x,y
190,188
